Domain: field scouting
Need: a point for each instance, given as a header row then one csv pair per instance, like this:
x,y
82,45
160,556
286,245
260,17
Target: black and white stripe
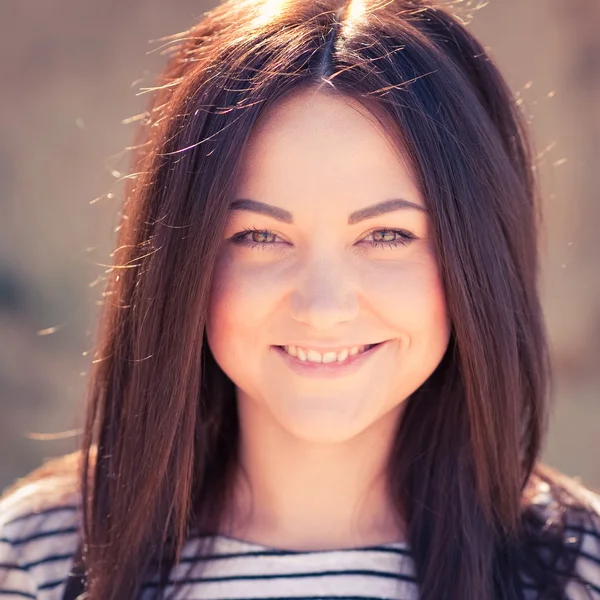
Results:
x,y
37,549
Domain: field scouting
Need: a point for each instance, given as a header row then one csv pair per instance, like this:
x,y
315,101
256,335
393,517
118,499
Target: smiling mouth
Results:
x,y
340,358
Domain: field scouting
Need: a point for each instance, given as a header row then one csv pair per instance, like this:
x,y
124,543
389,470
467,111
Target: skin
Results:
x,y
313,450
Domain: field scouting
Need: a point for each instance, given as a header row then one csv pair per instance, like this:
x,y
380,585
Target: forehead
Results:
x,y
315,144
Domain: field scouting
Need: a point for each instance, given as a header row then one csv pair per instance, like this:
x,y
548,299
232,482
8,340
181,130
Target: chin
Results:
x,y
329,429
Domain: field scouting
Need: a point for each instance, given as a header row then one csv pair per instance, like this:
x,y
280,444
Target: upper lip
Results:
x,y
338,348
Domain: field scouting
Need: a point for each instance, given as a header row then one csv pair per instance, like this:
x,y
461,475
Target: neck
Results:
x,y
304,495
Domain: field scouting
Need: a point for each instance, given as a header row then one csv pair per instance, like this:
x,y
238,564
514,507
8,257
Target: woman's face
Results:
x,y
311,277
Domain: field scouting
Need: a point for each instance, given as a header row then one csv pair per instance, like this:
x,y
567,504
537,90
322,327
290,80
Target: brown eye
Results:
x,y
391,237
259,236
254,238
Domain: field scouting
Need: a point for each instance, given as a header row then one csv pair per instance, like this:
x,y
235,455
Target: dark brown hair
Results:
x,y
160,437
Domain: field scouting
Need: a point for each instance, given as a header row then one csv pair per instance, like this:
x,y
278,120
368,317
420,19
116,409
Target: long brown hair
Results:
x,y
160,436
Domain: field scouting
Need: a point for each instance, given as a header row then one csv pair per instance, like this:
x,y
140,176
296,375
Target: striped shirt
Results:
x,y
37,548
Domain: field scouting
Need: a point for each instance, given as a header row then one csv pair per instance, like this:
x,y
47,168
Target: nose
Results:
x,y
324,295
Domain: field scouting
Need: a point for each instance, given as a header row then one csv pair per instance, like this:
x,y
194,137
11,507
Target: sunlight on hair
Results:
x,y
355,11
268,10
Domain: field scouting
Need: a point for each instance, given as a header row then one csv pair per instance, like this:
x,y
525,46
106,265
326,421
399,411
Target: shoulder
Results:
x,y
40,519
566,505
582,529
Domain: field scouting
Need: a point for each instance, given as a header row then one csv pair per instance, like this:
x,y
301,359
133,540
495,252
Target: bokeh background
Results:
x,y
73,72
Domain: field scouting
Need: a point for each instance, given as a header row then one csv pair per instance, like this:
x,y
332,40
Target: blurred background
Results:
x,y
71,75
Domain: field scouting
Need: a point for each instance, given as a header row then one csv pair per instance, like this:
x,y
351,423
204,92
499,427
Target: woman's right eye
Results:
x,y
257,239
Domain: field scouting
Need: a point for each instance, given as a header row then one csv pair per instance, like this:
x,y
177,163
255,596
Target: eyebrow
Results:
x,y
280,214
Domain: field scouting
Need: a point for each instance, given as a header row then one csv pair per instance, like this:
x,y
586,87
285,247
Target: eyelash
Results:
x,y
406,238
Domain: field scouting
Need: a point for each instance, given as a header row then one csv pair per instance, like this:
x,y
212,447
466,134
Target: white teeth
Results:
x,y
328,357
343,355
313,356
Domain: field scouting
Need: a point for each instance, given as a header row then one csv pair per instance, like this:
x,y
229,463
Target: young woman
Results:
x,y
321,367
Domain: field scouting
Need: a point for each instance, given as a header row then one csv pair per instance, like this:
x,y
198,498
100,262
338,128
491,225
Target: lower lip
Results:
x,y
332,369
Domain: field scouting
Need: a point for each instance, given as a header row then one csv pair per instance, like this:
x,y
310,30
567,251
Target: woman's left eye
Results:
x,y
381,237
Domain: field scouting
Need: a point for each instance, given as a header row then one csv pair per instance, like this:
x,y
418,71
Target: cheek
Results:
x,y
424,302
241,300
410,296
